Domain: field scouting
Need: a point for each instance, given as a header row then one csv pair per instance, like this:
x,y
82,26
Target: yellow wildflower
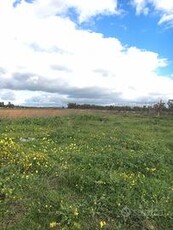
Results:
x,y
76,213
102,223
53,224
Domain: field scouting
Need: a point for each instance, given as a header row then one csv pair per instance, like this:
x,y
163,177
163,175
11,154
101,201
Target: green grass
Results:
x,y
88,172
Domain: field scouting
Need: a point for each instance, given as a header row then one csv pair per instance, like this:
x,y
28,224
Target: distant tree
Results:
x,y
10,105
170,104
159,107
72,105
2,104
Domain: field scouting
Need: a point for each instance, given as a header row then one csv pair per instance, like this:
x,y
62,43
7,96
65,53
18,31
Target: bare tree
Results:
x,y
159,107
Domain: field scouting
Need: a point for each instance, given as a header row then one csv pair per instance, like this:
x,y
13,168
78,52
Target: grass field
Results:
x,y
87,171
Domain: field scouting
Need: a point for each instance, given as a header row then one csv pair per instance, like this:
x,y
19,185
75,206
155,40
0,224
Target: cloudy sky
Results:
x,y
53,52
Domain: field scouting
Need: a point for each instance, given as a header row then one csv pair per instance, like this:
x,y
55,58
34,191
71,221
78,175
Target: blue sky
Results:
x,y
139,30
98,51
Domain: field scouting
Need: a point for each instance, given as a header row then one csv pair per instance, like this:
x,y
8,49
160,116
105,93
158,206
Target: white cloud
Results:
x,y
141,6
47,56
84,9
93,7
163,7
167,18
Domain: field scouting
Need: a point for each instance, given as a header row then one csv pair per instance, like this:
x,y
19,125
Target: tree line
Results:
x,y
8,105
157,107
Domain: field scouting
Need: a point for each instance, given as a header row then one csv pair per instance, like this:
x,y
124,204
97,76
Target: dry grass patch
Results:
x,y
36,112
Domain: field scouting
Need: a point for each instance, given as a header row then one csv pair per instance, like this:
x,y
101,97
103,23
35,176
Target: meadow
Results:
x,y
86,170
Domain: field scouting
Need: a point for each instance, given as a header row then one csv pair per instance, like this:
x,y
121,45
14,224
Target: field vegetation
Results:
x,y
86,170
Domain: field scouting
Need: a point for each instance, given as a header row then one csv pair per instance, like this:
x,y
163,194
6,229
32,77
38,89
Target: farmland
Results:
x,y
88,170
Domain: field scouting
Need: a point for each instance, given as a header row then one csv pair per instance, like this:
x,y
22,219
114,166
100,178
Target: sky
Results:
x,y
104,52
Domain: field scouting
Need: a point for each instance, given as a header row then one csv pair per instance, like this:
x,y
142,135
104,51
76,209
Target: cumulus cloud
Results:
x,y
45,55
84,10
93,8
